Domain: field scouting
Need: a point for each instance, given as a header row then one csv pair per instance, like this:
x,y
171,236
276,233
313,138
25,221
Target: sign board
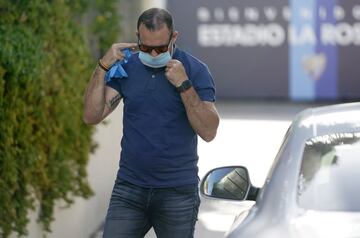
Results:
x,y
302,50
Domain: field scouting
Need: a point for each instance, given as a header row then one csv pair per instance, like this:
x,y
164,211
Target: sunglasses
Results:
x,y
158,49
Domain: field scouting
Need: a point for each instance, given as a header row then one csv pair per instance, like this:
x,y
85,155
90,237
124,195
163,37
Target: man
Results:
x,y
168,100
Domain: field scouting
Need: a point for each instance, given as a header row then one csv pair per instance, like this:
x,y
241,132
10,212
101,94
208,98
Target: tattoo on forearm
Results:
x,y
114,101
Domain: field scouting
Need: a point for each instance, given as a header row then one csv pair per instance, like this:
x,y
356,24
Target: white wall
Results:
x,y
153,3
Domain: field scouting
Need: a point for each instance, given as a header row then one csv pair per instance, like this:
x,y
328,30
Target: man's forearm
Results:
x,y
203,116
94,100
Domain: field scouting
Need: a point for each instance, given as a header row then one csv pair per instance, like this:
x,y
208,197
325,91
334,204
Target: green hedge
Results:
x,y
45,65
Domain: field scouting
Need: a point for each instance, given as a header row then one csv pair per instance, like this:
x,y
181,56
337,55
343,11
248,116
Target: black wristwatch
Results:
x,y
184,86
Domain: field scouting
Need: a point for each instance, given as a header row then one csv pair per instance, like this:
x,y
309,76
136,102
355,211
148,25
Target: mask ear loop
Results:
x,y
172,47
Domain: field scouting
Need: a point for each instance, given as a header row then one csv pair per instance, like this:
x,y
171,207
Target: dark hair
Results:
x,y
155,18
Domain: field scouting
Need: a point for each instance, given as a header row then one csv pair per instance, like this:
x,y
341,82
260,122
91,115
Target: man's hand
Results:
x,y
175,72
115,53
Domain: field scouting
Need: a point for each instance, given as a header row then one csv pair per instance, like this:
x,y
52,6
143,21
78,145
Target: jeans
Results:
x,y
133,210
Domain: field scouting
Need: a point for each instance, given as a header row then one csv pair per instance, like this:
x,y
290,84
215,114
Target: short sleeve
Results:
x,y
115,84
204,84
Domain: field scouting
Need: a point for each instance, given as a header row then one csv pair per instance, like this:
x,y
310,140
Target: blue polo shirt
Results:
x,y
159,146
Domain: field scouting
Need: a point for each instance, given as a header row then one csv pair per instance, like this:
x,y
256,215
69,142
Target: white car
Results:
x,y
313,187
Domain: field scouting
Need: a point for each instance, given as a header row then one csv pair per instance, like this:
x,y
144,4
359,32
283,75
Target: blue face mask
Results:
x,y
158,61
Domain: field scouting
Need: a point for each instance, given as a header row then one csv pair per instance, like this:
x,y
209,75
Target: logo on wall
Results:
x,y
314,65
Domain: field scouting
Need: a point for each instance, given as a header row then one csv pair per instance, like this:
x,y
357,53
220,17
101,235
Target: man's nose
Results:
x,y
153,53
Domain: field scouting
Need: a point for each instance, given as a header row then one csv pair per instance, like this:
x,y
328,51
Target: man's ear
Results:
x,y
175,36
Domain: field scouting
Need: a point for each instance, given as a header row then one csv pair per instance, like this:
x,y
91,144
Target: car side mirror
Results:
x,y
228,183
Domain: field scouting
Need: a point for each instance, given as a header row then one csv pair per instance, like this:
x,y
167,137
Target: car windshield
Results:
x,y
329,179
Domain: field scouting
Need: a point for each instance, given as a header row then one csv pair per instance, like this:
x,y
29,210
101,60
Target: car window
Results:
x,y
329,178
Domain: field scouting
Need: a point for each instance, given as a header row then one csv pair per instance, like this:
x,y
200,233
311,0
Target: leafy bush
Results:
x,y
45,65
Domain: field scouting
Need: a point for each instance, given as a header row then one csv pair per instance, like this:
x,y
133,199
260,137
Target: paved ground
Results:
x,y
249,134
